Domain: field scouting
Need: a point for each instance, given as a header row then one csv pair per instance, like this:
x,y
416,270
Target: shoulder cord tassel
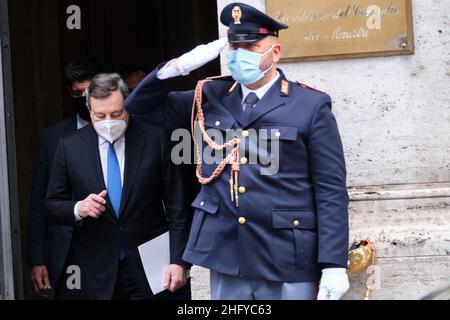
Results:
x,y
232,158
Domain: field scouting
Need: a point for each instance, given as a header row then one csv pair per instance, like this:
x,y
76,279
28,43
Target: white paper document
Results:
x,y
155,256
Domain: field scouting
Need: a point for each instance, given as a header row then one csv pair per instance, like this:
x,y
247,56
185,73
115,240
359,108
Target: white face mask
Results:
x,y
110,130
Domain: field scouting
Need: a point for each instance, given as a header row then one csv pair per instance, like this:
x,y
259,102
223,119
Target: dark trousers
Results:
x,y
64,293
127,288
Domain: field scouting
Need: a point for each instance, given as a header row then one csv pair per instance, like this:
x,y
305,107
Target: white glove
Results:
x,y
334,284
200,56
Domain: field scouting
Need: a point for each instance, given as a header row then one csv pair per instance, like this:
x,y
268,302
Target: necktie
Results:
x,y
114,180
115,186
249,103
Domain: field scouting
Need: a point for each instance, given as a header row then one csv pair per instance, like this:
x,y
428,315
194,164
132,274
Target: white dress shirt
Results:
x,y
103,146
261,92
119,147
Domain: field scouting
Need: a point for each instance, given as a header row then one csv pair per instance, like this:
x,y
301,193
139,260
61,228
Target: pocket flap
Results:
x,y
206,202
281,132
294,219
219,121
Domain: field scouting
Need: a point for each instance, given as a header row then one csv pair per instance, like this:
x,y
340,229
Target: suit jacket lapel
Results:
x,y
91,158
92,164
270,101
233,104
134,146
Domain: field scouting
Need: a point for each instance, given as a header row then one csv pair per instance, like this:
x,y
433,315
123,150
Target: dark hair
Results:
x,y
128,71
102,85
82,69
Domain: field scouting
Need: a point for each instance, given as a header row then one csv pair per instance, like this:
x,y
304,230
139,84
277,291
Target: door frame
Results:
x,y
11,284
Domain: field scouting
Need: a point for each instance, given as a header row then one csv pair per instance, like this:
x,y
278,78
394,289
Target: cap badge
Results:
x,y
237,14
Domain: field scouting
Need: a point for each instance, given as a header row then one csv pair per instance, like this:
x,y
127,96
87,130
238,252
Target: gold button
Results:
x,y
244,160
242,220
296,223
202,204
242,190
245,133
218,123
278,134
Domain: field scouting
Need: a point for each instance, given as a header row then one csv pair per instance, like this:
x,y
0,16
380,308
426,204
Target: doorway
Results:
x,y
118,34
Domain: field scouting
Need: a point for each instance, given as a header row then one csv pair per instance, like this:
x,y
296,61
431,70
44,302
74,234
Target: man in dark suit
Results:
x,y
48,244
264,232
115,184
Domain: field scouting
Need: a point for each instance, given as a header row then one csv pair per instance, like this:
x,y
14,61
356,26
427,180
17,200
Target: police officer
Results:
x,y
263,236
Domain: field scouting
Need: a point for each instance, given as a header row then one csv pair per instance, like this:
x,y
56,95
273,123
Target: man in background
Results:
x,y
48,244
133,75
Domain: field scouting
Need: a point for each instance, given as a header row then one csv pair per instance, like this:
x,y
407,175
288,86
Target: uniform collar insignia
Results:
x,y
285,87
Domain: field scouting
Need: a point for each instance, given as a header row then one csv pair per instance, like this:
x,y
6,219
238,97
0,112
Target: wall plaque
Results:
x,y
332,29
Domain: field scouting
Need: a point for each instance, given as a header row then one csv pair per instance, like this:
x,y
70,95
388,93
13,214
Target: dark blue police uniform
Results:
x,y
288,225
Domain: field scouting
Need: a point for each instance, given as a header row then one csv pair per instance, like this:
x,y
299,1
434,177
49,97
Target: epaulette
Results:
x,y
306,86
